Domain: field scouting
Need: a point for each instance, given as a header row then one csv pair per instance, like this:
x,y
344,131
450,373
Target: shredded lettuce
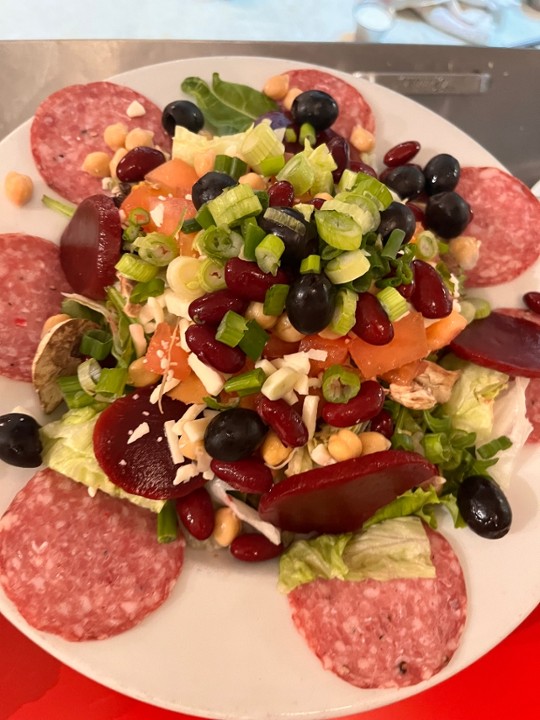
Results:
x,y
187,145
420,502
395,548
68,449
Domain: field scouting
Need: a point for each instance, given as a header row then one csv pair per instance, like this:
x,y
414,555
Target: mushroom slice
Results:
x,y
57,356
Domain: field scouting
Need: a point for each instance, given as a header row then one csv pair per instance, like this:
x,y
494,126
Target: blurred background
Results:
x,y
491,23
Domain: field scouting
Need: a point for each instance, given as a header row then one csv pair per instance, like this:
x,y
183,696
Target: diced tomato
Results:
x,y
441,333
174,176
409,344
139,197
189,391
276,348
405,374
337,351
160,349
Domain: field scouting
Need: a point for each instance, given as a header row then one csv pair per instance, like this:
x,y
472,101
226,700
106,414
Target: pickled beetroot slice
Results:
x,y
501,342
341,497
145,466
90,246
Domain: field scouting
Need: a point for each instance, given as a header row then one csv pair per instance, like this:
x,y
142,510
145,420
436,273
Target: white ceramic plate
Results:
x,y
224,644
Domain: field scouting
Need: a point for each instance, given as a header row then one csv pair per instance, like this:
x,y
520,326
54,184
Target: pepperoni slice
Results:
x,y
32,286
84,568
501,342
395,633
506,219
144,466
353,108
339,498
69,124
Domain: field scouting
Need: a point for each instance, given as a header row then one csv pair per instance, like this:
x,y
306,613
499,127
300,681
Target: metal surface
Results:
x,y
504,119
430,83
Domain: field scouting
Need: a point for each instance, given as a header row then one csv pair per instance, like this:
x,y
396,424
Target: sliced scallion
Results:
x,y
252,234
274,299
139,216
393,302
490,449
272,165
220,243
211,275
156,248
307,132
393,244
167,523
254,340
238,168
260,143
347,180
58,206
299,173
268,253
69,384
363,210
134,268
426,246
290,135
338,230
347,266
340,384
204,217
246,383
231,329
482,308
111,383
96,344
142,291
264,199
88,373
367,184
344,316
233,204
310,264
223,163
190,226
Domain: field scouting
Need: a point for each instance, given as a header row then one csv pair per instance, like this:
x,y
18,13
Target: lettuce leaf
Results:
x,y
395,548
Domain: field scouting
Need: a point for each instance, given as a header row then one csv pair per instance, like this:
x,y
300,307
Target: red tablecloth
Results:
x,y
502,685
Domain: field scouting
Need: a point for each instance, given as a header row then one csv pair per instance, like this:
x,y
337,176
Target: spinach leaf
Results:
x,y
227,107
241,97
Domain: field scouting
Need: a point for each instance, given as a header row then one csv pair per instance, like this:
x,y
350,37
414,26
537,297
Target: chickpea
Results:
x,y
373,442
345,445
139,138
276,87
227,526
255,312
118,155
285,331
465,250
139,376
273,451
18,188
115,135
256,182
53,321
290,97
97,164
362,139
191,449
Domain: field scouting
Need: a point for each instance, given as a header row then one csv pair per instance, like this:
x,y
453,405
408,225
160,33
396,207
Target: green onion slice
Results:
x,y
167,523
393,244
211,275
252,234
59,206
142,291
268,253
299,173
231,329
220,243
136,269
88,373
139,216
272,165
274,299
490,449
338,230
246,383
375,188
393,302
111,383
340,384
233,204
310,264
96,344
347,267
156,248
426,246
254,340
345,312
190,226
259,144
307,132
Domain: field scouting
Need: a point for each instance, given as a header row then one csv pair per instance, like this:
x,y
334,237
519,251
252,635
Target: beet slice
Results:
x,y
90,246
501,342
341,497
144,467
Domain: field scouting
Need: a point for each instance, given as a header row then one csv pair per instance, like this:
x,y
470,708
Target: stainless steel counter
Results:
x,y
492,94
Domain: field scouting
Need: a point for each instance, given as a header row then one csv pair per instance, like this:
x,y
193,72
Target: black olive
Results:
x,y
184,113
447,214
209,186
315,107
406,180
234,434
310,303
298,245
484,507
20,443
397,216
441,174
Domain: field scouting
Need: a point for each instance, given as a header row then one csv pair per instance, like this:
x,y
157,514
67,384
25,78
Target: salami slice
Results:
x,y
385,634
69,125
80,567
32,284
353,108
506,221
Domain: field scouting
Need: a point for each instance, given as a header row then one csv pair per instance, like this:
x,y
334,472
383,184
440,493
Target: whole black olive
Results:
x,y
234,434
183,113
397,216
315,107
209,186
441,173
484,507
299,241
310,303
406,180
20,443
447,214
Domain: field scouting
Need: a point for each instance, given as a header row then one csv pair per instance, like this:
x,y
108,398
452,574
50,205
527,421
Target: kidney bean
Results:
x,y
202,342
284,420
197,513
430,295
417,212
340,151
209,309
250,475
137,162
246,280
372,323
318,202
365,406
361,166
281,194
401,153
252,547
383,423
532,301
